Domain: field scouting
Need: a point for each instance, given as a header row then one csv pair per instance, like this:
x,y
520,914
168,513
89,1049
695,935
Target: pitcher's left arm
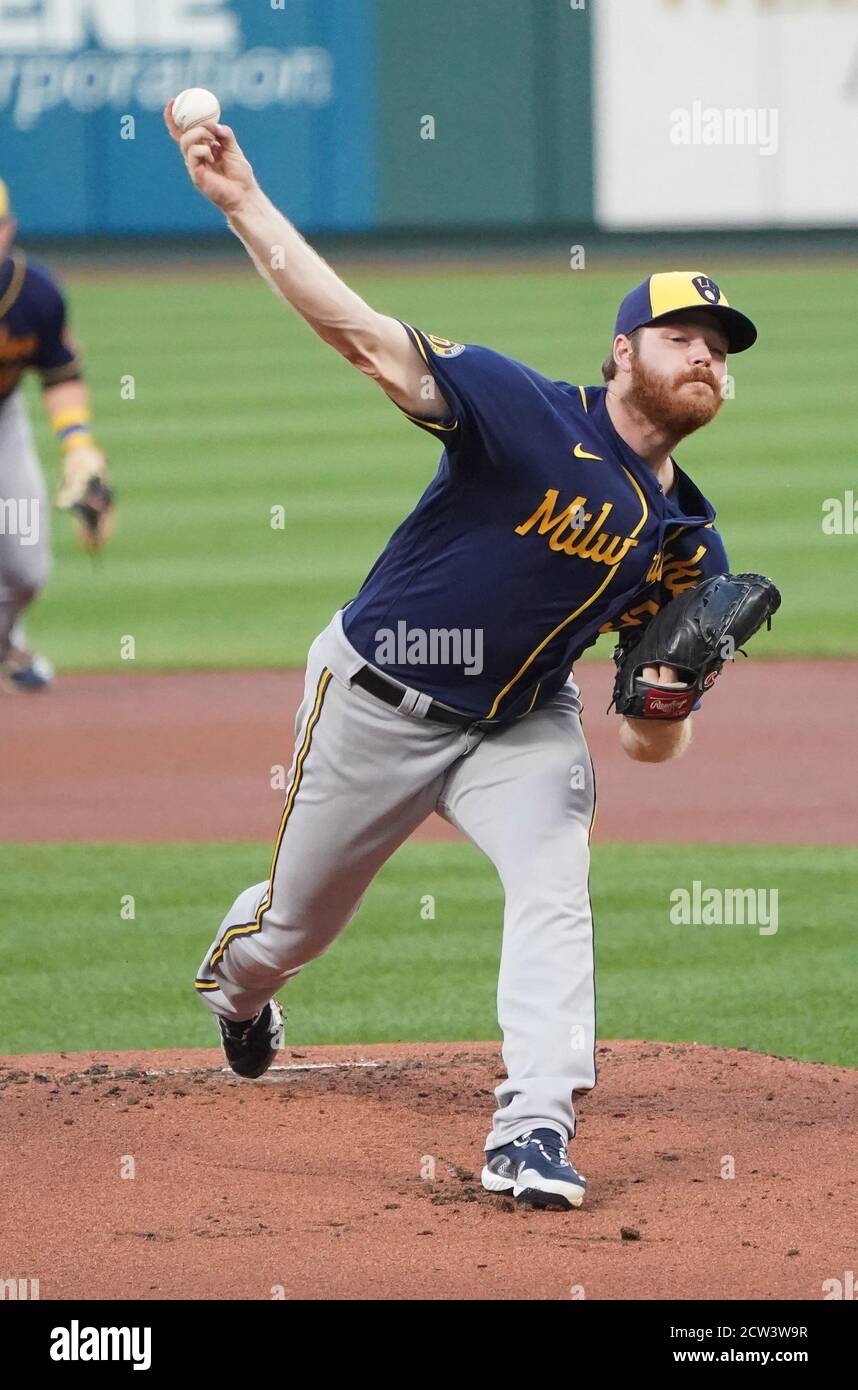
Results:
x,y
690,555
693,636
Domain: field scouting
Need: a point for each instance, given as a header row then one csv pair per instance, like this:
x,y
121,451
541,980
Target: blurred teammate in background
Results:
x,y
34,334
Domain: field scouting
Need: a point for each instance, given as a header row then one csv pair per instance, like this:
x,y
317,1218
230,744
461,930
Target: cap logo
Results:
x,y
706,288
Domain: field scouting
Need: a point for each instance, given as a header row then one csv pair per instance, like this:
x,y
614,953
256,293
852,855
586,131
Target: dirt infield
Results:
x,y
188,757
317,1181
354,1172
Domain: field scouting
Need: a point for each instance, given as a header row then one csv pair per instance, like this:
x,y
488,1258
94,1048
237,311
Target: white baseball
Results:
x,y
195,106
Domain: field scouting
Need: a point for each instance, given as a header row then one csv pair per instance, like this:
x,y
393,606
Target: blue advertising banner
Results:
x,y
83,83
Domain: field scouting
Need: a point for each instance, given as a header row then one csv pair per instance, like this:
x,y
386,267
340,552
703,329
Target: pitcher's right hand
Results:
x,y
215,162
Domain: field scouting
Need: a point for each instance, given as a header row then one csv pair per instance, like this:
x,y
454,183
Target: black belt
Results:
x,y
387,690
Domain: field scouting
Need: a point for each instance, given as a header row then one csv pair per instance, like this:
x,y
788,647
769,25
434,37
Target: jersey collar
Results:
x,y
686,501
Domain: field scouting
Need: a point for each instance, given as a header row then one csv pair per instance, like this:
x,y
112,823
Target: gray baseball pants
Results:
x,y
25,556
363,777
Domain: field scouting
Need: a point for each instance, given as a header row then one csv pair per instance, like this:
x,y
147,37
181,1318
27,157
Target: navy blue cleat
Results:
x,y
26,671
251,1046
535,1169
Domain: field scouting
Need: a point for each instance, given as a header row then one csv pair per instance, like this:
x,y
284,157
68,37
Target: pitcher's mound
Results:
x,y
353,1172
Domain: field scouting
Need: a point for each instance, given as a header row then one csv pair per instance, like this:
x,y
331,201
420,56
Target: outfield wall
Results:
x,y
365,116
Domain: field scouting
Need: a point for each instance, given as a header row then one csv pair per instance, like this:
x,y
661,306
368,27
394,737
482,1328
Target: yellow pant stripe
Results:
x,y
249,928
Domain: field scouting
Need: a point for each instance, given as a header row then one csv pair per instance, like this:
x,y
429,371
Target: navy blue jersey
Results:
x,y
33,329
540,530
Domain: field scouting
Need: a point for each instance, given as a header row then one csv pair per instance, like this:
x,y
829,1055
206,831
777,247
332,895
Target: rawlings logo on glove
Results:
x,y
695,634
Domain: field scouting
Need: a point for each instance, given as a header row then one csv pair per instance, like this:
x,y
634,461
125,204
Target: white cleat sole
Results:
x,y
530,1185
533,1190
492,1182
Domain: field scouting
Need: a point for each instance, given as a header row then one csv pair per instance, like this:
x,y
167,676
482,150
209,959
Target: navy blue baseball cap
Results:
x,y
668,293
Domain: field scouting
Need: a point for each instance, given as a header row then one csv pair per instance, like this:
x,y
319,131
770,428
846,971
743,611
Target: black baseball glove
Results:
x,y
93,513
695,633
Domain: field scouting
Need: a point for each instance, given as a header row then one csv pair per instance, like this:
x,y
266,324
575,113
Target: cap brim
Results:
x,y
741,332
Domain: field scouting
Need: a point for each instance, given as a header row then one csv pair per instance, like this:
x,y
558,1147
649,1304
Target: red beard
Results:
x,y
667,404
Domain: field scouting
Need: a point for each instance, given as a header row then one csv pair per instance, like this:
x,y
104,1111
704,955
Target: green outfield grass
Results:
x,y
77,976
238,409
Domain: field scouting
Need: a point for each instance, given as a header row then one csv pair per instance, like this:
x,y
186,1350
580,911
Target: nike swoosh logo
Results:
x,y
581,453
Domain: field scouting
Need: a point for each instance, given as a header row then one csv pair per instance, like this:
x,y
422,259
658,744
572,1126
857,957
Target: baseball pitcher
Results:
x,y
445,684
34,334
